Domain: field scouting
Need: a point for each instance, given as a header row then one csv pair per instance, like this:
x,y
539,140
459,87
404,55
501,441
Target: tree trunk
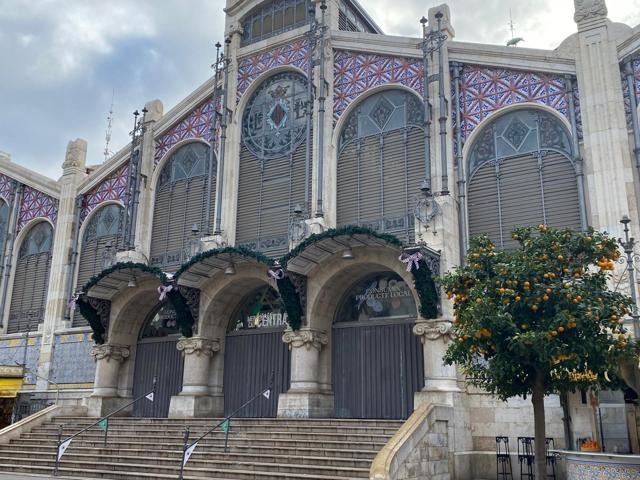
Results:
x,y
537,399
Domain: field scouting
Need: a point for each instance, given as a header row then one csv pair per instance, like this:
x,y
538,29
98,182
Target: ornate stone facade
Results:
x,y
107,352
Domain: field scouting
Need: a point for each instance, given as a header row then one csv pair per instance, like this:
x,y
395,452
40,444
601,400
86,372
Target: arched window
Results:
x,y
99,243
161,323
259,309
180,204
31,280
381,163
520,173
273,18
272,163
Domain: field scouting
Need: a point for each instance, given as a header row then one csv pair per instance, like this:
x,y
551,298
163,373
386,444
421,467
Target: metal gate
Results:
x,y
250,356
377,367
157,357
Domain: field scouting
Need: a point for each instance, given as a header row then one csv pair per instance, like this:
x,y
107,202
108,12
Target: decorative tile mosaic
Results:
x,y
72,361
6,187
12,351
601,471
114,187
249,68
36,204
356,72
625,89
485,90
196,124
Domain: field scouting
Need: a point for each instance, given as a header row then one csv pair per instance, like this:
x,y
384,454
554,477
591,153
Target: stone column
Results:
x,y
304,398
608,165
104,398
440,380
195,400
147,165
73,172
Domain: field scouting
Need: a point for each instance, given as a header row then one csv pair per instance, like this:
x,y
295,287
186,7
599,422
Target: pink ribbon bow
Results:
x,y
73,301
163,290
276,273
411,260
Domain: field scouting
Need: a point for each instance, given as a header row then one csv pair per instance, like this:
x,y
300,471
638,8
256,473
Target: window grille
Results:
x,y
381,163
521,173
274,18
180,205
100,239
31,280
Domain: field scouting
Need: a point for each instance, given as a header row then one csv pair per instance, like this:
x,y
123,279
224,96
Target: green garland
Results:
x,y
291,302
183,313
125,266
91,315
427,291
336,232
241,251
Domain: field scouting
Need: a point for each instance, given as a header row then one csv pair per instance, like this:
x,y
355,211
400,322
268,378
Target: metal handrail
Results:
x,y
226,420
27,369
67,440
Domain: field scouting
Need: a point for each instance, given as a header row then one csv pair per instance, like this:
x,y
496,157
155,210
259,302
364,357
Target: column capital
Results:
x,y
589,11
305,337
198,346
117,353
432,329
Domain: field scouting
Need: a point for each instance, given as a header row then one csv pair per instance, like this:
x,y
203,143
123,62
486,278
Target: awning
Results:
x,y
9,387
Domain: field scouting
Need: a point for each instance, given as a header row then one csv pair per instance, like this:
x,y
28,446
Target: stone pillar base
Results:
x,y
442,397
305,405
101,406
192,406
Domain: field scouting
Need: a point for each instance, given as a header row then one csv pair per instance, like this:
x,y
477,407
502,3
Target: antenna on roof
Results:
x,y
512,26
107,134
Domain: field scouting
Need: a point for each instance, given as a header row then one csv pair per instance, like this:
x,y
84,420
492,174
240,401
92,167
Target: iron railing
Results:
x,y
225,423
103,422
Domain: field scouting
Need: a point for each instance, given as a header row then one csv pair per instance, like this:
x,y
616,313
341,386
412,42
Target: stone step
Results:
x,y
259,420
261,451
290,443
179,429
174,457
236,435
190,474
160,465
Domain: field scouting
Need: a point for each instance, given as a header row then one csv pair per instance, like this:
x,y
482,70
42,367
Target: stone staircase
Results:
x,y
150,448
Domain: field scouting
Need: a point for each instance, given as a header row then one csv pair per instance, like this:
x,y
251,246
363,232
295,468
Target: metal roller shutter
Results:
x,y
561,202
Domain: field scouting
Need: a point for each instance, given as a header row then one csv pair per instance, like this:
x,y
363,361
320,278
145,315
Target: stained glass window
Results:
x,y
106,222
274,123
382,295
189,161
38,240
260,308
161,324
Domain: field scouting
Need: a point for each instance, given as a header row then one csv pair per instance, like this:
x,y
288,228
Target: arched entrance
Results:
x,y
377,360
157,356
253,351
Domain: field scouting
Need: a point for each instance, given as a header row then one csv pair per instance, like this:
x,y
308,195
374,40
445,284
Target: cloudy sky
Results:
x,y
61,60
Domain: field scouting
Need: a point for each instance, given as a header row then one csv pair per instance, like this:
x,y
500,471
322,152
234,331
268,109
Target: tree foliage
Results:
x,y
543,310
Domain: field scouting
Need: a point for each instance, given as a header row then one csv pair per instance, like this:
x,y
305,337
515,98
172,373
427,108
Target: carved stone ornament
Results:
x,y
432,329
588,9
198,346
76,154
117,353
305,338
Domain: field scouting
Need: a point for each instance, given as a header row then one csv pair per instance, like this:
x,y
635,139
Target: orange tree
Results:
x,y
540,318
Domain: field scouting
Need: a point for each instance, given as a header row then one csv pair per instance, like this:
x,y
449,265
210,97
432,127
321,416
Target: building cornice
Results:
x,y
630,46
29,177
373,43
511,57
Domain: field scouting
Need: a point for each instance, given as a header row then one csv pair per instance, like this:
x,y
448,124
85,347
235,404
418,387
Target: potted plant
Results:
x,y
589,446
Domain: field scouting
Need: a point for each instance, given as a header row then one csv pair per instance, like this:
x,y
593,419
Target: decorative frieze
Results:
x,y
432,329
589,9
306,337
117,353
36,204
198,346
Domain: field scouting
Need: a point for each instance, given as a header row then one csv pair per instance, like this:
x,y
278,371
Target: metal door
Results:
x,y
250,356
377,367
157,357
